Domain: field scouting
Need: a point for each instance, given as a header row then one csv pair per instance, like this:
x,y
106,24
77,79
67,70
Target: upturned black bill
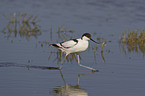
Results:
x,y
94,41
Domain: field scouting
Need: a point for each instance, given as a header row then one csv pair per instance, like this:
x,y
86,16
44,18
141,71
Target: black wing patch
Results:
x,y
54,45
69,44
75,40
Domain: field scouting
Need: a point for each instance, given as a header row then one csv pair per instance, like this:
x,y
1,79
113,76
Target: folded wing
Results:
x,y
69,44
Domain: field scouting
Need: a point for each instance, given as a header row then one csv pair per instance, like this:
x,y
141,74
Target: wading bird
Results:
x,y
75,46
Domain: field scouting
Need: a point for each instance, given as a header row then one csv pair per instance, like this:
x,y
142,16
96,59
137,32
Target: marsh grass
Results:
x,y
21,24
133,41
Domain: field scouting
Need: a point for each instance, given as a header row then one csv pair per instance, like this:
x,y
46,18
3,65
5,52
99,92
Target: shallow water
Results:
x,y
28,66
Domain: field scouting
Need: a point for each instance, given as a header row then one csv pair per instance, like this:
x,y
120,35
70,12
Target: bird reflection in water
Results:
x,y
69,90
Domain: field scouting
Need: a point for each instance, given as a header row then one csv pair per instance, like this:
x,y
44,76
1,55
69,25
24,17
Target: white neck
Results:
x,y
85,38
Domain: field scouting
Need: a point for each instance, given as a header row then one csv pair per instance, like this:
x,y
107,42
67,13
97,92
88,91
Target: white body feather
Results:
x,y
74,47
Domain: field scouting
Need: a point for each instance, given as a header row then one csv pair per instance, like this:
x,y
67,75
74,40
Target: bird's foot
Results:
x,y
94,70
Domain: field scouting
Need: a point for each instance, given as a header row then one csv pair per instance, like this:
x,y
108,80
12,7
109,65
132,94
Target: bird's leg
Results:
x,y
62,62
83,65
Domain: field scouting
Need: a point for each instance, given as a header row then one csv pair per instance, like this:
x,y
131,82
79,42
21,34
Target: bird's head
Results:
x,y
87,36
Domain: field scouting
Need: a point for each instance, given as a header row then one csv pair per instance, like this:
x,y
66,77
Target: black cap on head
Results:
x,y
87,35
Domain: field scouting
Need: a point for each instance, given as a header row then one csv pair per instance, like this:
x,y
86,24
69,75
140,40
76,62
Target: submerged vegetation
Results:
x,y
21,24
133,41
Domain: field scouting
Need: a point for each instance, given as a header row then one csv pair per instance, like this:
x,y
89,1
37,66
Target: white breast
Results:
x,y
80,47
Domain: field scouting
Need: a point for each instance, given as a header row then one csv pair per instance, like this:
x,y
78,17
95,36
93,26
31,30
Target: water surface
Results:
x,y
25,61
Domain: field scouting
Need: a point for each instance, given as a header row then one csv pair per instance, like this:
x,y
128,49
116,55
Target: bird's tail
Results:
x,y
54,45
